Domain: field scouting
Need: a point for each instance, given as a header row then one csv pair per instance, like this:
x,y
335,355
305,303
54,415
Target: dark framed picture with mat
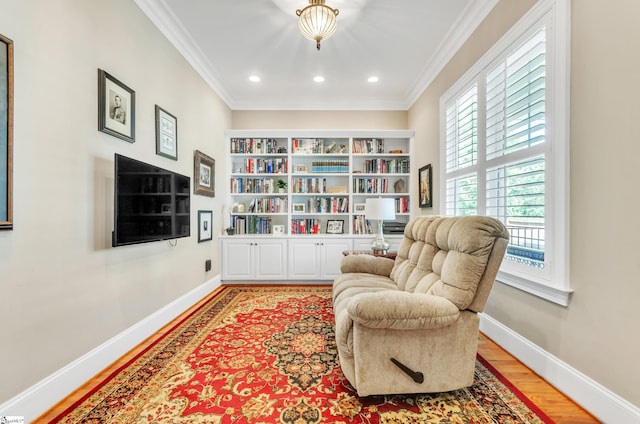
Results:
x,y
116,107
424,187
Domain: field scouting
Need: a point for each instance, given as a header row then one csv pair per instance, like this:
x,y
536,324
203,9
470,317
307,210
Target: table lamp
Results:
x,y
380,209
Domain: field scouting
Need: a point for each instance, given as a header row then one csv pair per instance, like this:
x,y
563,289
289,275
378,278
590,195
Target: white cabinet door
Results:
x,y
253,259
304,259
237,259
317,258
270,259
331,256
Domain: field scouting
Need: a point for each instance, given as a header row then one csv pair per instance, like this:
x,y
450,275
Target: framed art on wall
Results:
x,y
204,168
6,133
424,186
205,219
166,134
116,107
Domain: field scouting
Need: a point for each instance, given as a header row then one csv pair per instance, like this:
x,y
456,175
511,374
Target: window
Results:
x,y
504,129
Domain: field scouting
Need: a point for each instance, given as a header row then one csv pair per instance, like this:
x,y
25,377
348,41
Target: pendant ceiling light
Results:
x,y
317,21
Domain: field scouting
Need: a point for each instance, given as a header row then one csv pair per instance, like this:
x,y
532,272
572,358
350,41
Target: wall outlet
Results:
x,y
207,265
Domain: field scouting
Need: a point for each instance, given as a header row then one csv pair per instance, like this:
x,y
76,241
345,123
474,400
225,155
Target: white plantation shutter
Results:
x,y
496,144
515,130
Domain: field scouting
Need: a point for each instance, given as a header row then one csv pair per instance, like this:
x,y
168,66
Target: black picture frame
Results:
x,y
335,226
205,223
116,107
6,133
425,193
166,134
204,174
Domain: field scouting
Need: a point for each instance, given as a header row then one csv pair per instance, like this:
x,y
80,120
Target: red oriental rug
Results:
x,y
268,355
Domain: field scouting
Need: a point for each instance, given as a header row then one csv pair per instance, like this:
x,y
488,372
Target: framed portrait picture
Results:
x,y
205,219
335,226
359,208
116,107
299,208
204,169
424,186
6,133
166,134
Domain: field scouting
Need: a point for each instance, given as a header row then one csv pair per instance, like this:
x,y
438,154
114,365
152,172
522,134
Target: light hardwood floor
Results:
x,y
552,402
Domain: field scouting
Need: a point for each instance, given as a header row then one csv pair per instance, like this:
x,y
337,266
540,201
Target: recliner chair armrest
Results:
x,y
400,310
377,265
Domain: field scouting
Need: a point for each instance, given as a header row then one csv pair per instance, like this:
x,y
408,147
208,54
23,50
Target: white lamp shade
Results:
x,y
380,208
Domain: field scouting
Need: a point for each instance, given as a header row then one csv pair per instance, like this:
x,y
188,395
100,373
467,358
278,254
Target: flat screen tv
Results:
x,y
151,203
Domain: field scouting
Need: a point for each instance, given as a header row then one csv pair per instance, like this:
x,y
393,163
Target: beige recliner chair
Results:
x,y
411,325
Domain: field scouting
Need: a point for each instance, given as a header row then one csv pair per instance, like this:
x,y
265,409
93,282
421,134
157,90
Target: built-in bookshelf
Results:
x,y
328,175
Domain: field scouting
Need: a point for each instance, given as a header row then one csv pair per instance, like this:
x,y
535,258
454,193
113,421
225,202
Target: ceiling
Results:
x,y
405,43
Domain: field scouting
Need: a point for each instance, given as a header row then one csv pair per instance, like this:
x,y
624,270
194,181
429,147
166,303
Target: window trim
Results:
x,y
555,14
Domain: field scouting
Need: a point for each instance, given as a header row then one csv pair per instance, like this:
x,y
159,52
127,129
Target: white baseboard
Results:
x,y
40,397
591,395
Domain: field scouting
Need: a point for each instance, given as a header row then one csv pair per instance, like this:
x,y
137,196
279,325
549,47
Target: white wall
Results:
x,y
64,289
597,333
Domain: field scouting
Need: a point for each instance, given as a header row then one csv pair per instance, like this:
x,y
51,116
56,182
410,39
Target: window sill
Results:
x,y
552,294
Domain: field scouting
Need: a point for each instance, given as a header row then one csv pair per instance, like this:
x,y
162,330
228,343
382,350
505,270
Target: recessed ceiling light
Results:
x,y
318,79
254,78
373,79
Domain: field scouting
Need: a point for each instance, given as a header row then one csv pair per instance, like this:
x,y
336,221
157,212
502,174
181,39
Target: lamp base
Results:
x,y
380,246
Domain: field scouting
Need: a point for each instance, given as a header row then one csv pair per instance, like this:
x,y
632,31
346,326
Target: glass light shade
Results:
x,y
317,21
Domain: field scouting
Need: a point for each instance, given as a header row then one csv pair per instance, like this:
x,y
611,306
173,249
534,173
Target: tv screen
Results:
x,y
151,203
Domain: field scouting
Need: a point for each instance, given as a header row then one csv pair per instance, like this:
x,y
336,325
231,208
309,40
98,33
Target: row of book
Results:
x,y
317,146
251,224
372,145
266,166
362,225
386,166
255,145
327,205
330,166
370,185
252,185
268,205
305,226
309,185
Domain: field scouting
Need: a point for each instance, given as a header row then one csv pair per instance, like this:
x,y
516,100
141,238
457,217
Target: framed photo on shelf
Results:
x,y
116,107
301,169
424,187
166,134
299,208
204,168
6,133
335,226
278,230
205,219
358,208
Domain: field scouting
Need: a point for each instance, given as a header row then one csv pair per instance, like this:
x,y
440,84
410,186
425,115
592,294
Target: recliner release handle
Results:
x,y
416,376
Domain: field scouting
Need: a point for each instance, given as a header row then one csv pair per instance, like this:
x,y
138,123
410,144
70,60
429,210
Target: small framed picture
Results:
x,y
301,169
166,134
335,226
205,219
278,230
424,186
358,208
204,174
116,107
299,208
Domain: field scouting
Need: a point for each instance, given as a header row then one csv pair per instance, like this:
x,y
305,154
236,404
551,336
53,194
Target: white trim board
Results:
x,y
591,395
40,397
